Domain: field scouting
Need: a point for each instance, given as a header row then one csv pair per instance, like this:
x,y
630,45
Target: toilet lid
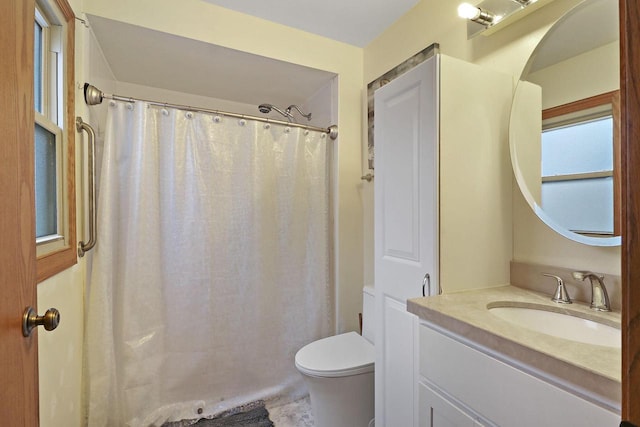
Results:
x,y
337,356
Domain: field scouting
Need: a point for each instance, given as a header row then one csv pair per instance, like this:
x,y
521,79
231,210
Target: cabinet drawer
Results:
x,y
499,392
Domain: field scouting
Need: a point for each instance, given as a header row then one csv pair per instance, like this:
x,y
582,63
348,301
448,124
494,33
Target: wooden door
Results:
x,y
18,358
406,212
630,173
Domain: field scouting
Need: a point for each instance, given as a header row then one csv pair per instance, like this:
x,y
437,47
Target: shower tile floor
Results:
x,y
293,414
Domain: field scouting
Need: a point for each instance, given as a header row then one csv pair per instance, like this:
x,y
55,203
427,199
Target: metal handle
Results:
x,y
82,246
426,286
368,177
30,320
426,283
560,295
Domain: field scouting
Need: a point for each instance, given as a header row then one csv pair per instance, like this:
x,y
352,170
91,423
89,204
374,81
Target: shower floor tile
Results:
x,y
294,414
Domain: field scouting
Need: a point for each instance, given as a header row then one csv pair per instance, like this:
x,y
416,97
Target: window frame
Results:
x,y
60,252
594,102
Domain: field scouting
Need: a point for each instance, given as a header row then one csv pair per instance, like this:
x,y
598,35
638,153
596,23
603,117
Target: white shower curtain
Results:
x,y
211,267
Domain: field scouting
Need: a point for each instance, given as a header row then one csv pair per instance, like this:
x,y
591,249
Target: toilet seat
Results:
x,y
337,356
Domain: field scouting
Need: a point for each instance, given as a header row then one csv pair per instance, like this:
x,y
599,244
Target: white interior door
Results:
x,y
406,238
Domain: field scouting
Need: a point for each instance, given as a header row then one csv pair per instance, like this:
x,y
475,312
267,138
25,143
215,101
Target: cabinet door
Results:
x,y
436,411
405,193
500,392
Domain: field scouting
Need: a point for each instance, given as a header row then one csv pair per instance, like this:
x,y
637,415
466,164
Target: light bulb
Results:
x,y
468,11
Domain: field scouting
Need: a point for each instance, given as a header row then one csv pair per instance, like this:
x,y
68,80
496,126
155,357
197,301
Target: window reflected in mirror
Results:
x,y
578,150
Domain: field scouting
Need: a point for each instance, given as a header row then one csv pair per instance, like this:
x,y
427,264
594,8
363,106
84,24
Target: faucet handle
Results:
x,y
561,295
581,275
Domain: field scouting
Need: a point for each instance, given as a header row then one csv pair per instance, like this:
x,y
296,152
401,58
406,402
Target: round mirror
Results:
x,y
564,129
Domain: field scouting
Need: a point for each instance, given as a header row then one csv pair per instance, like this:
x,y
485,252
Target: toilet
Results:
x,y
338,372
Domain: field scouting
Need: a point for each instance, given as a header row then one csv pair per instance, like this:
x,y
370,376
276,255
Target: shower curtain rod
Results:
x,y
94,96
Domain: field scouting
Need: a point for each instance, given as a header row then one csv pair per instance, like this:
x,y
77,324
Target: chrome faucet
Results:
x,y
561,295
599,296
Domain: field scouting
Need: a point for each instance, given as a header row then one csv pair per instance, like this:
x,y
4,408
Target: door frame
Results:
x,y
630,171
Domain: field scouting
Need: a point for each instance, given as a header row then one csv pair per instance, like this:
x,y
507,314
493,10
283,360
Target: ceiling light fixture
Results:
x,y
476,14
489,15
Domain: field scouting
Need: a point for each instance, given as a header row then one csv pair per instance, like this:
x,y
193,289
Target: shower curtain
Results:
x,y
211,266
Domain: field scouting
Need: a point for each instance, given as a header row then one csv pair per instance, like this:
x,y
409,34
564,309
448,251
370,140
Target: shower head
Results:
x,y
266,109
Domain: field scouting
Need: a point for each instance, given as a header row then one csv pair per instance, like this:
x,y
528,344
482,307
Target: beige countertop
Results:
x,y
593,370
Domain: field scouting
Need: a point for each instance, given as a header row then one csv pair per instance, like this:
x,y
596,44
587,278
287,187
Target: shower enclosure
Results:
x,y
211,267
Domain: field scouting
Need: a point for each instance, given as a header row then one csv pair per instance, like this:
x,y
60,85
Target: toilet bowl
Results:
x,y
339,373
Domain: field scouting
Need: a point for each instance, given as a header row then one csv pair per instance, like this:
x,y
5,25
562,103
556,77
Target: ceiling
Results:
x,y
590,25
146,57
356,22
152,58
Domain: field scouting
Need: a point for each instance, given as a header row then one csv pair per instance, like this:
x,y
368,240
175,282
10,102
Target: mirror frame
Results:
x,y
522,184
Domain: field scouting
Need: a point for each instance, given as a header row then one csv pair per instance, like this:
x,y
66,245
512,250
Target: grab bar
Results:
x,y
82,246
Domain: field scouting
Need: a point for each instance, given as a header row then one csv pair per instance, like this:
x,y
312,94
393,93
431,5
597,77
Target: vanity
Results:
x,y
477,368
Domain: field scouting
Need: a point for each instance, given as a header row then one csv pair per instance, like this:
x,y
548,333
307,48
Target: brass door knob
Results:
x,y
30,320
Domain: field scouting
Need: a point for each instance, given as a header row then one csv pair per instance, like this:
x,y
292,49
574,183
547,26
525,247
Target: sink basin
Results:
x,y
561,325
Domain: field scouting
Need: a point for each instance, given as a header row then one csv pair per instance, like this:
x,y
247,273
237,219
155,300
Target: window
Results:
x,y
54,137
579,163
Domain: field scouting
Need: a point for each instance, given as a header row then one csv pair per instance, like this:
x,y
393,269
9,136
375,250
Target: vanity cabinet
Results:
x,y
462,383
436,410
442,193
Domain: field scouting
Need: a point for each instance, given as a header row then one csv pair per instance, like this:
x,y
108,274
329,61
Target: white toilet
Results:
x,y
338,371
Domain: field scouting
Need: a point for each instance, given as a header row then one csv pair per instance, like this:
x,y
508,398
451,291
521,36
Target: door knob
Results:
x,y
30,320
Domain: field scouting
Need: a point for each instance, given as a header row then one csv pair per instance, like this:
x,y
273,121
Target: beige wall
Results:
x,y
436,21
579,77
60,351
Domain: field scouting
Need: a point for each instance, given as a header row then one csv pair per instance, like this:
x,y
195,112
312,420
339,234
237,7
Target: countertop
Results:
x,y
593,370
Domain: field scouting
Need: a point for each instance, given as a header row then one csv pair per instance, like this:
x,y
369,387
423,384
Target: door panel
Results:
x,y
436,411
405,231
406,180
18,358
398,369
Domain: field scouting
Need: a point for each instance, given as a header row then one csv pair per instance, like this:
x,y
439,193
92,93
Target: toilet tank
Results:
x,y
368,316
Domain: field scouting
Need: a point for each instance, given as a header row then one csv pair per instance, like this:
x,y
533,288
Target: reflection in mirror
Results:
x,y
578,181
564,126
